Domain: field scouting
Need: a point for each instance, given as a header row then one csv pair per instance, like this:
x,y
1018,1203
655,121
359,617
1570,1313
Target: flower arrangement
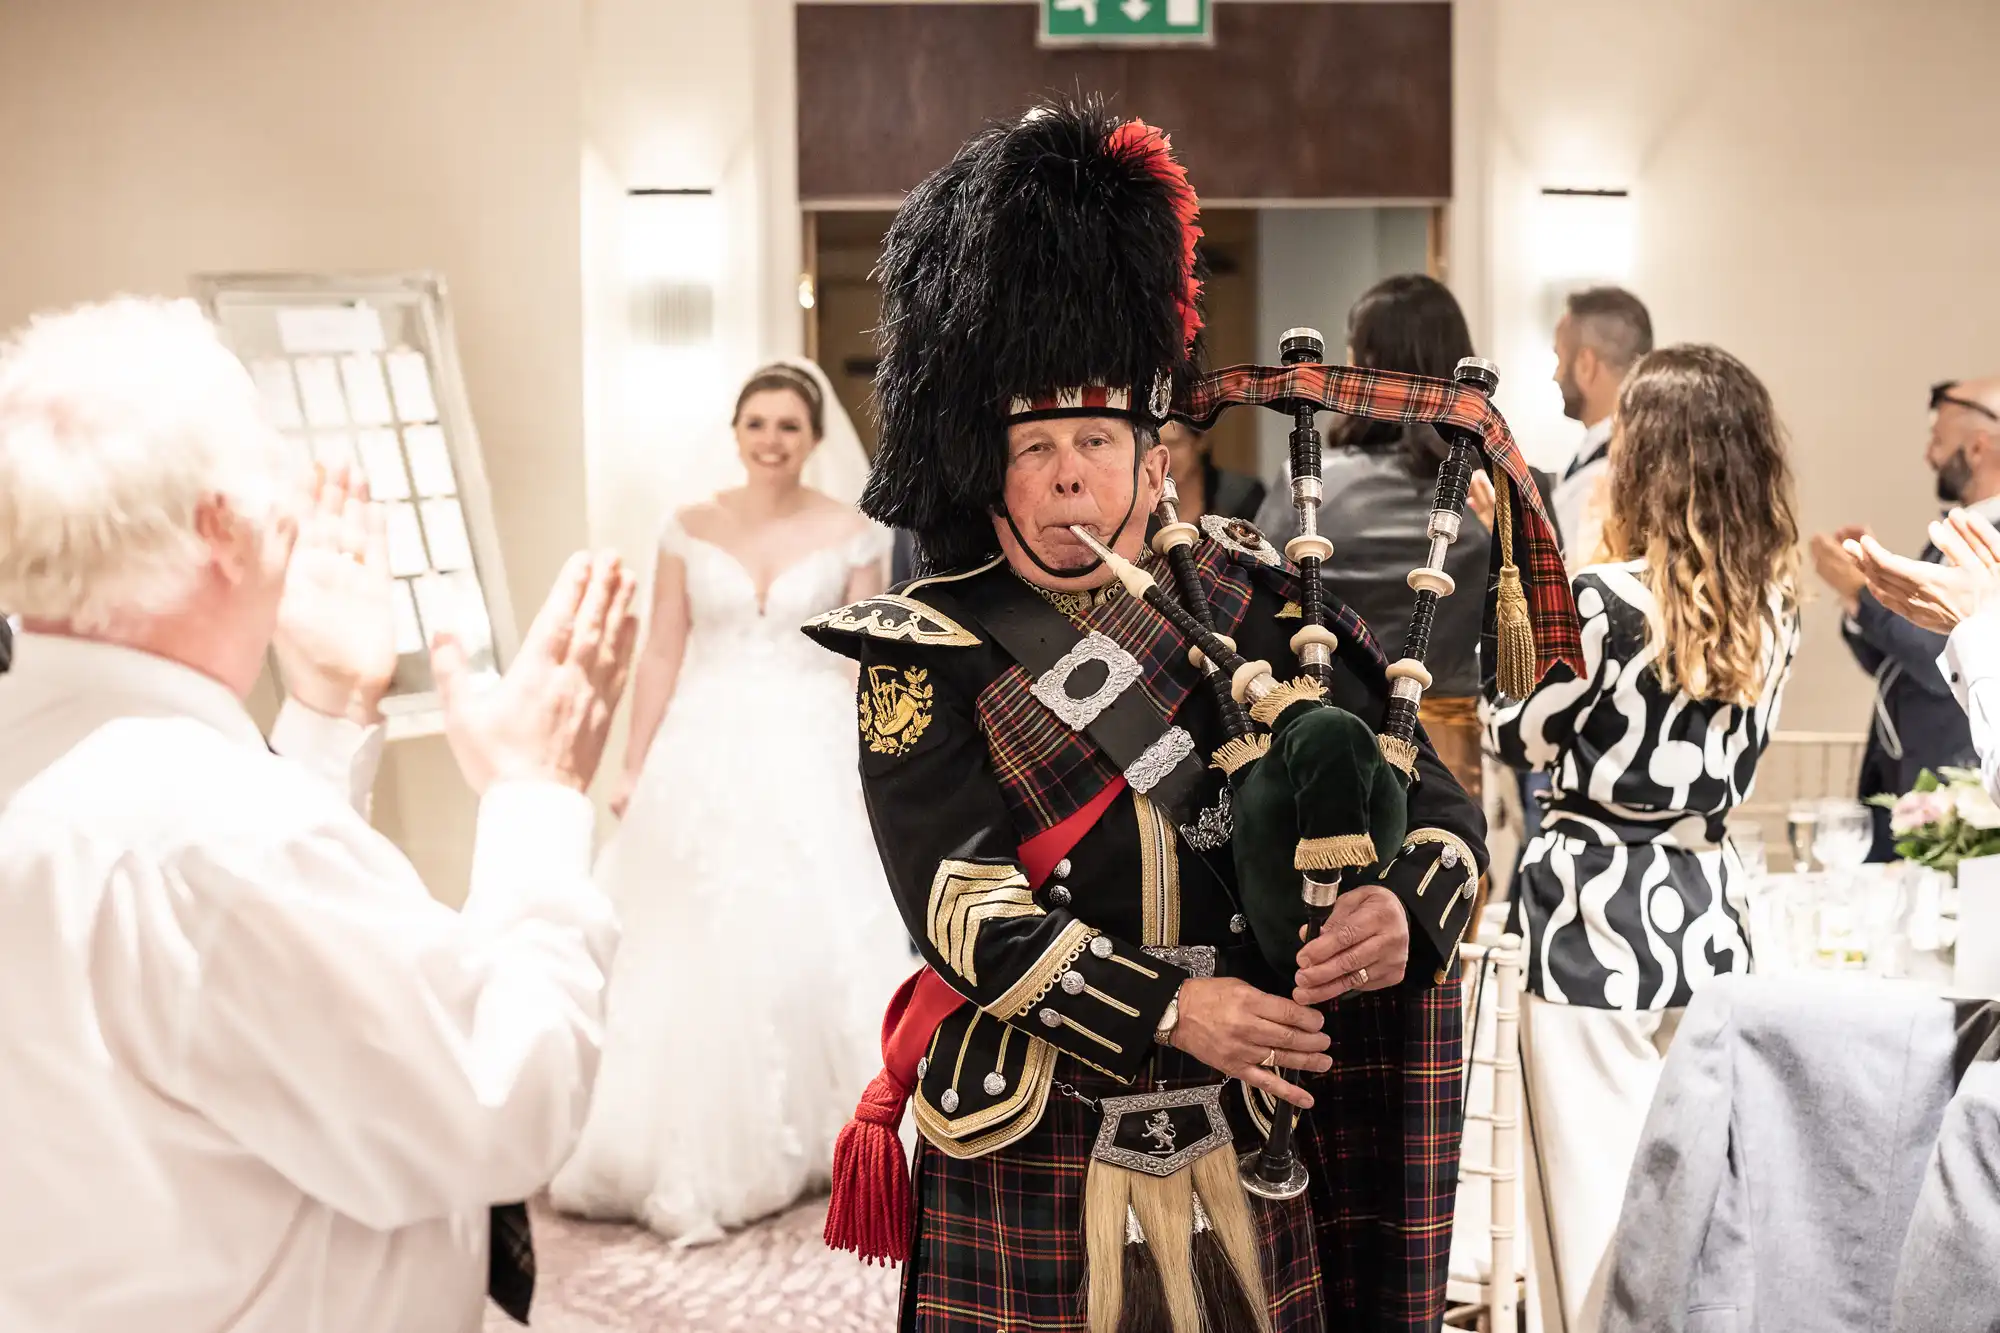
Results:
x,y
1946,818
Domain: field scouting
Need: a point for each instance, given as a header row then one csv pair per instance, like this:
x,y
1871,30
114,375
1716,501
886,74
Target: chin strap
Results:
x,y
1081,571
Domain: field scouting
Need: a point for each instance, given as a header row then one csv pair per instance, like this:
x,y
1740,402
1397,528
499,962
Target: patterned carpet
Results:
x,y
597,1278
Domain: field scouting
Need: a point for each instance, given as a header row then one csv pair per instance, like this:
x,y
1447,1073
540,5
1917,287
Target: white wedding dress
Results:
x,y
761,943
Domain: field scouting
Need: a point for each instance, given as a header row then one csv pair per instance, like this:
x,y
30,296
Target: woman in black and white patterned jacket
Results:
x,y
1630,897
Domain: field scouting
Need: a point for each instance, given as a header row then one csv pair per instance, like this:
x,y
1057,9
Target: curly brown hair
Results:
x,y
1701,491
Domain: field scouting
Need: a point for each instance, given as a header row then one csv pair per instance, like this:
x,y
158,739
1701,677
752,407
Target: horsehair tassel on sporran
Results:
x,y
1313,644
1514,632
1139,1248
1228,1271
1175,540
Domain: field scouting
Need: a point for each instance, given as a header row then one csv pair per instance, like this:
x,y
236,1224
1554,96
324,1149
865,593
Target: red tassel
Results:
x,y
872,1213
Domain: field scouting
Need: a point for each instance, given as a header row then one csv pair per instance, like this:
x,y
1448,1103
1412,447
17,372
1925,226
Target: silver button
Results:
x,y
1102,946
1051,1019
995,1083
949,1102
1409,847
1062,868
1448,858
923,1066
1059,895
1238,924
1072,982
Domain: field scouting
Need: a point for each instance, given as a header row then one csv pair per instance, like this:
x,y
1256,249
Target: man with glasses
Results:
x,y
1916,724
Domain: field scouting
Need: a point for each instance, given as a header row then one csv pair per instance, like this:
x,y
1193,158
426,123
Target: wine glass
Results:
x,y
1801,822
1748,839
1843,832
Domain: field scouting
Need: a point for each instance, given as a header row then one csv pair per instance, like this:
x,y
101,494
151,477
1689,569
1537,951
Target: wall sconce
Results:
x,y
672,262
1583,235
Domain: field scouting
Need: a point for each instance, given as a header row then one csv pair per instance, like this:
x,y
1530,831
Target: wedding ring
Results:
x,y
1360,977
1270,1061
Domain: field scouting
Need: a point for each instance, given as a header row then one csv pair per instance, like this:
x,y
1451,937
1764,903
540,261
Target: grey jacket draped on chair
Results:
x,y
1782,1159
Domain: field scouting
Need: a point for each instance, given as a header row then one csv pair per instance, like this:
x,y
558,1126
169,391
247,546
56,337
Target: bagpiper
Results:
x,y
1098,1033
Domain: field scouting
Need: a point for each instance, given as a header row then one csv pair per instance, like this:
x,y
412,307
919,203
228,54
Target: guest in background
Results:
x,y
1381,480
1602,334
1960,599
1629,897
1203,487
258,1077
6,641
1916,723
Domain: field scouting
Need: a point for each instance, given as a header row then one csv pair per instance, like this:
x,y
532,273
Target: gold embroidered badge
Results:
x,y
895,708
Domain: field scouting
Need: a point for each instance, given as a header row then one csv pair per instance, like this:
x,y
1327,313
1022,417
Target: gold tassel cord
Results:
x,y
1515,631
1266,709
1335,853
1240,751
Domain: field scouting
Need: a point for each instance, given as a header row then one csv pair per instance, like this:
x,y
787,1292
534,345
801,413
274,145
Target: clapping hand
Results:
x,y
547,718
1838,567
336,636
1936,597
1480,499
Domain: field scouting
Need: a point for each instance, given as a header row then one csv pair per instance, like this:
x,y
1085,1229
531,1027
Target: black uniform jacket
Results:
x,y
961,764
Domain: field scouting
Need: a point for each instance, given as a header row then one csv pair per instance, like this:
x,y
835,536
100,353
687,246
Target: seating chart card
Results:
x,y
363,372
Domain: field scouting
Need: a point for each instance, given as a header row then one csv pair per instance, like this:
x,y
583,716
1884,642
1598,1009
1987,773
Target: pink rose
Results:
x,y
1918,809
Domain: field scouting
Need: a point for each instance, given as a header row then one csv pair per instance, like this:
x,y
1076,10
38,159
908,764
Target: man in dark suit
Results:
x,y
6,642
1916,723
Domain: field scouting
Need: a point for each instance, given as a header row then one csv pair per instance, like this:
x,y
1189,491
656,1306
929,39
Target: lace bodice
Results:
x,y
725,614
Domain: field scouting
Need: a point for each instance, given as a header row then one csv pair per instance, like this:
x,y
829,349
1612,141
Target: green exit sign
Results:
x,y
1127,22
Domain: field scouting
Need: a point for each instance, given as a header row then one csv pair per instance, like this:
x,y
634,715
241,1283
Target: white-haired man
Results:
x,y
257,1078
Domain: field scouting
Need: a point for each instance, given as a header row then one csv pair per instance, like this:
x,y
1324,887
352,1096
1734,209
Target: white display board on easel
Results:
x,y
364,371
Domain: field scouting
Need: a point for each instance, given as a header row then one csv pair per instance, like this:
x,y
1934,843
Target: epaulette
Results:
x,y
891,615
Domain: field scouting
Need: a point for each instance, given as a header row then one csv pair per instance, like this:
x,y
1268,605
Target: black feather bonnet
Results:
x,y
1049,268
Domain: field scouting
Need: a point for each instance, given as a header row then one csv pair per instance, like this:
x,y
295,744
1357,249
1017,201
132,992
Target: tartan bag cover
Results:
x,y
1382,395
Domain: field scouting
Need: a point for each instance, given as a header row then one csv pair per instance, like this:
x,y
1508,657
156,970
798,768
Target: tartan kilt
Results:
x,y
1384,1157
999,1243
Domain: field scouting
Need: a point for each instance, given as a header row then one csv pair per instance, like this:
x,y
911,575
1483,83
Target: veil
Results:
x,y
837,466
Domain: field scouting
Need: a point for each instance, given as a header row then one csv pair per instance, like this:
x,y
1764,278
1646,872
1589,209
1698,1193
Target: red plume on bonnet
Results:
x,y
1157,149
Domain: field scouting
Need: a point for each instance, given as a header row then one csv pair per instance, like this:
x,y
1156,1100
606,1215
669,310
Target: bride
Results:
x,y
761,942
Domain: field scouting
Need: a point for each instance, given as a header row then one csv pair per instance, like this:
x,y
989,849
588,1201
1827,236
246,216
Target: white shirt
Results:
x,y
1971,662
1575,495
252,1075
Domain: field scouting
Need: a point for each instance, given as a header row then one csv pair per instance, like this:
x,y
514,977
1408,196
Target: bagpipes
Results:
x,y
1319,797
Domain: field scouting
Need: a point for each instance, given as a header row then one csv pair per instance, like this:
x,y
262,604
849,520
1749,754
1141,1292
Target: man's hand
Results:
x,y
621,795
1367,930
1479,498
1936,597
1234,1028
1838,567
336,635
546,719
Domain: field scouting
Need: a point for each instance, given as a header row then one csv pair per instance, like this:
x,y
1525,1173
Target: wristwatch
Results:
x,y
1164,1032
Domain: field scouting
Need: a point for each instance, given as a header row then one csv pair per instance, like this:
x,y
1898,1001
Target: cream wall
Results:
x,y
143,143
1815,184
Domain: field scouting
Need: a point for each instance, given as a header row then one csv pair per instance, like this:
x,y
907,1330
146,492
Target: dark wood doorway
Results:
x,y
841,249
